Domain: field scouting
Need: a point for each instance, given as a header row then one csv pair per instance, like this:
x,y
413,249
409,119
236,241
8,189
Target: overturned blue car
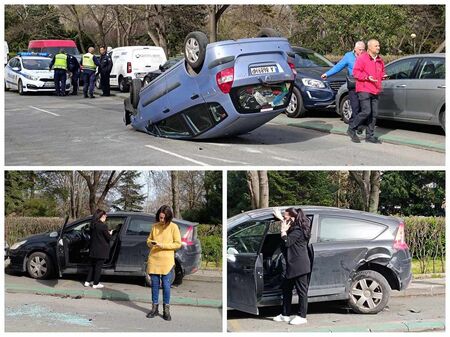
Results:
x,y
219,89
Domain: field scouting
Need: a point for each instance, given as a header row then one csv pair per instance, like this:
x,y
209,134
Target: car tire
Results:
x,y
20,88
369,292
195,49
296,109
39,265
345,109
136,86
268,32
442,119
97,82
146,81
123,87
148,279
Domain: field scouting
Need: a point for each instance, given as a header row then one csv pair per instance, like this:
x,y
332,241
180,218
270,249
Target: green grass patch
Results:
x,y
416,267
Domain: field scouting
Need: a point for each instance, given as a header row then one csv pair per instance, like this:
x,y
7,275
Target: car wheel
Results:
x,y
442,119
146,81
20,88
6,86
136,86
195,49
148,279
296,108
369,292
268,32
97,81
345,109
39,265
123,87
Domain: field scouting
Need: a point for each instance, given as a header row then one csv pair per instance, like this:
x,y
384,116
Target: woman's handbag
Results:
x,y
351,83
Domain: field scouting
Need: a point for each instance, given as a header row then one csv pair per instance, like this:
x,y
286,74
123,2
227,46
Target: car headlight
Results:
x,y
31,77
310,82
18,244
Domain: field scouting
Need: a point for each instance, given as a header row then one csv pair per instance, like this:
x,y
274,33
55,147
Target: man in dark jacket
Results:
x,y
74,68
105,70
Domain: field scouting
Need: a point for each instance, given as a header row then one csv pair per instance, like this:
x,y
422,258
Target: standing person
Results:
x,y
368,72
105,69
295,235
163,241
98,248
74,68
348,61
59,64
90,63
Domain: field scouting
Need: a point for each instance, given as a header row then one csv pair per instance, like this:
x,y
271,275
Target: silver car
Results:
x,y
414,91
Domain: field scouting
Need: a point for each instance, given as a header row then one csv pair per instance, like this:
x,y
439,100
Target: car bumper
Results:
x,y
39,86
15,260
318,98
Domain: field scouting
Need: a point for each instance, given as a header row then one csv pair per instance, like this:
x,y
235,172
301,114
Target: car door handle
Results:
x,y
401,86
166,110
194,96
441,86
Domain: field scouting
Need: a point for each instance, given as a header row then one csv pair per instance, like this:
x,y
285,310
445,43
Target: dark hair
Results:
x,y
97,215
300,220
167,212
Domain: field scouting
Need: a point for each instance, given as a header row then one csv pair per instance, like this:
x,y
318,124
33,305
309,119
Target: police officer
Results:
x,y
90,63
74,68
105,69
59,64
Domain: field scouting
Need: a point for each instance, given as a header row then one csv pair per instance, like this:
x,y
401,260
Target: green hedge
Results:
x,y
210,237
386,58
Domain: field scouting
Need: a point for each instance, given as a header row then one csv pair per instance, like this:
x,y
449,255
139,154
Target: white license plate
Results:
x,y
49,85
263,70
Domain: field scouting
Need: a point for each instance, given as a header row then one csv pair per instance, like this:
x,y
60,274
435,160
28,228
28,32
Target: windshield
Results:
x,y
55,50
36,64
311,60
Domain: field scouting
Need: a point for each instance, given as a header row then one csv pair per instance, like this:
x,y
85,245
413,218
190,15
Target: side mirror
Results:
x,y
161,67
231,254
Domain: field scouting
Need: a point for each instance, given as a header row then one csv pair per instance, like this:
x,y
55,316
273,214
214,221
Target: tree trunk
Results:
x,y
214,14
374,191
253,187
440,48
263,189
175,194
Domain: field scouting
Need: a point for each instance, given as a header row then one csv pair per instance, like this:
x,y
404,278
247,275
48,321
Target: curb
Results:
x,y
432,290
427,145
413,326
110,295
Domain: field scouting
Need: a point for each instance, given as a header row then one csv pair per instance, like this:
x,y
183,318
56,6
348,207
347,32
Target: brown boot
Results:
x,y
166,312
154,312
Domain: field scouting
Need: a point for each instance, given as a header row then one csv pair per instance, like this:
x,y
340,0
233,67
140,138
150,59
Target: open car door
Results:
x,y
245,265
62,249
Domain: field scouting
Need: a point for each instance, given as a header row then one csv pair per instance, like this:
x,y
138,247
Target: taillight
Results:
x,y
129,69
225,79
399,241
188,238
292,66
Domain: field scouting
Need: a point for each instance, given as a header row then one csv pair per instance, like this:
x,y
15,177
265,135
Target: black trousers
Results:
x,y
301,285
95,270
354,103
104,83
60,77
368,114
75,79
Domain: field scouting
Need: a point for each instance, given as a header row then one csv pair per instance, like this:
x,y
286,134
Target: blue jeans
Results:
x,y
166,282
89,82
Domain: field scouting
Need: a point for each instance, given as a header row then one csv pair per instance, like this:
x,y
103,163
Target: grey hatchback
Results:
x,y
356,256
414,91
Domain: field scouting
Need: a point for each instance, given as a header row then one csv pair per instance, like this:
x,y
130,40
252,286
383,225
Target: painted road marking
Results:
x,y
177,155
220,159
48,112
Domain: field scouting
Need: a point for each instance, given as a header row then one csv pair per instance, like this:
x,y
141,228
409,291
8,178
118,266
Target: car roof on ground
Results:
x,y
302,49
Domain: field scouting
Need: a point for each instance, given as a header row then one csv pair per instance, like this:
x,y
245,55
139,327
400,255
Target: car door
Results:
x,y
12,72
134,251
342,241
245,265
62,249
425,93
392,100
113,76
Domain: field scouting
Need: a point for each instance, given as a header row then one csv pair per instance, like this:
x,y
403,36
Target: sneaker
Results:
x,y
281,318
352,134
91,96
98,286
361,129
373,140
87,284
297,320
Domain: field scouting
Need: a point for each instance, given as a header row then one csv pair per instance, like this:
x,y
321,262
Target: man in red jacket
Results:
x,y
368,72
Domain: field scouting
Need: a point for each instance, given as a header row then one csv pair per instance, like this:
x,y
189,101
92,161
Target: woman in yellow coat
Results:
x,y
163,241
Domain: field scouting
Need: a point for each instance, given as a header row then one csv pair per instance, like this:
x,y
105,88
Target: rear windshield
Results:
x,y
36,64
311,60
55,50
255,98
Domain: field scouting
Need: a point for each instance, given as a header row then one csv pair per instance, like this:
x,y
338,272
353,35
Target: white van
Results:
x,y
134,62
6,51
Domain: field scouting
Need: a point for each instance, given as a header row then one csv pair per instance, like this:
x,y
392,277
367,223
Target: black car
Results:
x,y
356,256
162,68
311,92
67,251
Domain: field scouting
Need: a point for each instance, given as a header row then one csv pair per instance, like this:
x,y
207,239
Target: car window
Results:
x,y
311,60
432,68
248,236
347,229
56,50
115,222
79,227
204,116
140,226
36,64
12,62
275,226
401,69
174,126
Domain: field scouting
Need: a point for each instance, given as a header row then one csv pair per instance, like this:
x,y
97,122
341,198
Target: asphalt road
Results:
x,y
417,313
72,131
27,312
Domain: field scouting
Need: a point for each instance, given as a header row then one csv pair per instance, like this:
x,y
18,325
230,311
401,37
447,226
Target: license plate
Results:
x,y
49,85
263,70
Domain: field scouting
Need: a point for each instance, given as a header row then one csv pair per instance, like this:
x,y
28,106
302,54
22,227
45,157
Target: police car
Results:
x,y
30,72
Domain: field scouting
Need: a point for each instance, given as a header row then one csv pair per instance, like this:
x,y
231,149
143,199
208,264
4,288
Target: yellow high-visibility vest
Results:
x,y
60,61
88,62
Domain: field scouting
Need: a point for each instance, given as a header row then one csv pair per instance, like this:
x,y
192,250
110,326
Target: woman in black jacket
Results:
x,y
295,234
98,248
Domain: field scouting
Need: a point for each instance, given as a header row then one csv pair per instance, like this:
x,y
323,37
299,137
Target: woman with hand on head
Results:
x,y
295,234
163,241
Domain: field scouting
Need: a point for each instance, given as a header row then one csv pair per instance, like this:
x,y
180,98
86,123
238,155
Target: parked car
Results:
x,y
53,46
356,256
30,72
414,91
220,89
67,251
6,53
134,62
311,92
150,76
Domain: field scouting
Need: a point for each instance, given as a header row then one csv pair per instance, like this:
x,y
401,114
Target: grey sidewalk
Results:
x,y
425,286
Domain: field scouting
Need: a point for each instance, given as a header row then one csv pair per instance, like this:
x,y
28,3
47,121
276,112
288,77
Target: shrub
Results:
x,y
17,228
212,249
